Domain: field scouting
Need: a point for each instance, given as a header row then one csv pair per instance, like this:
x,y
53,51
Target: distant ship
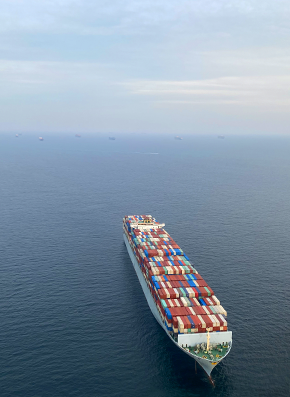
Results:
x,y
40,138
77,135
112,138
221,136
178,138
16,135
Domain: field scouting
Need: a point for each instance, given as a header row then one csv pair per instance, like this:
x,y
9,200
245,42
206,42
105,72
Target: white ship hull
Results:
x,y
183,339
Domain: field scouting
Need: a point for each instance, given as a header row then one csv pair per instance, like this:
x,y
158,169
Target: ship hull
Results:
x,y
193,339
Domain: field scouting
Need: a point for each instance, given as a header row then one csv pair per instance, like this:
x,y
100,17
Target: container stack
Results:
x,y
183,298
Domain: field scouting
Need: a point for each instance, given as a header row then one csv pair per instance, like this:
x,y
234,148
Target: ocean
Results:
x,y
74,320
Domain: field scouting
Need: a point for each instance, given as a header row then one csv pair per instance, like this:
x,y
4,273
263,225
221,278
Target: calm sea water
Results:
x,y
74,320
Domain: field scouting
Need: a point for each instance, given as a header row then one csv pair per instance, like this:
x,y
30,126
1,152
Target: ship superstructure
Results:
x,y
179,298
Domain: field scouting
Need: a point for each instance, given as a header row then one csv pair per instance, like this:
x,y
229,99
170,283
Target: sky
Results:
x,y
162,66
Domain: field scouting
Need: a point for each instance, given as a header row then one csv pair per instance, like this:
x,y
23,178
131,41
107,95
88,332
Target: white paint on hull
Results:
x,y
192,339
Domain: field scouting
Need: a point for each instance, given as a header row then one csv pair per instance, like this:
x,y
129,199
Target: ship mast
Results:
x,y
208,339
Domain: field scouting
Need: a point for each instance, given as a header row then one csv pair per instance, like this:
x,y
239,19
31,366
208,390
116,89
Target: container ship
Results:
x,y
179,298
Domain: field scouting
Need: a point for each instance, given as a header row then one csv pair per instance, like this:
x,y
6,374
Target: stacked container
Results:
x,y
183,298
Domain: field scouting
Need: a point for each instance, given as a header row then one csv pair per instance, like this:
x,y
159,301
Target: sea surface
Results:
x,y
73,317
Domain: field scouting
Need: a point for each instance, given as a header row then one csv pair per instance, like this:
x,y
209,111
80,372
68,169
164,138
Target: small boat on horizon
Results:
x,y
221,136
16,135
112,138
77,135
178,138
40,138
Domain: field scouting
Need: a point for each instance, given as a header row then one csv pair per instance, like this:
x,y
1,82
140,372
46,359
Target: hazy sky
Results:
x,y
177,66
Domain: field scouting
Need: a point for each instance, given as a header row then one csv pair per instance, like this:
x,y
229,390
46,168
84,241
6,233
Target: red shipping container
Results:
x,y
178,285
180,311
162,294
209,309
195,292
196,321
173,284
194,303
203,291
188,311
206,299
202,283
186,322
211,291
184,311
172,293
198,310
207,321
152,253
221,319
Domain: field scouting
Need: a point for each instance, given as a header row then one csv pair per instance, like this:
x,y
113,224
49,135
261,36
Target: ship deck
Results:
x,y
216,353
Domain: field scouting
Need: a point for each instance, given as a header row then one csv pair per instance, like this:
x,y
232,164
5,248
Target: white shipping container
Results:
x,y
177,303
217,321
196,301
213,308
222,320
170,303
191,292
223,311
213,320
180,323
206,310
216,300
202,321
192,311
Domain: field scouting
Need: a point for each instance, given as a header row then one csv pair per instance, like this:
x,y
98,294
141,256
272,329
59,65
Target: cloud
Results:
x,y
79,80
78,96
142,62
258,91
38,83
104,16
51,73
